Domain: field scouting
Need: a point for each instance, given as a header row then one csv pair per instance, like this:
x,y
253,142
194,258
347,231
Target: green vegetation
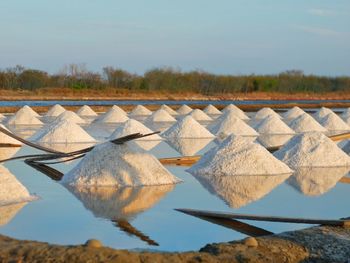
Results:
x,y
77,77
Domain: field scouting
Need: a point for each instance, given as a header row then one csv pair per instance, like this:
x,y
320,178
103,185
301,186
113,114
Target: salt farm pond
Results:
x,y
144,217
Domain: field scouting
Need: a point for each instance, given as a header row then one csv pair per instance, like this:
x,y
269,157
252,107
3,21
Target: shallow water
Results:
x,y
138,218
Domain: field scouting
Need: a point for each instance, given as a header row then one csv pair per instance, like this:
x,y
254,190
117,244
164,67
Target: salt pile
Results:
x,y
293,113
230,124
305,123
188,146
5,139
184,109
265,112
212,110
238,156
187,127
114,115
62,131
140,110
55,110
11,190
118,109
199,115
2,116
168,109
312,149
109,164
86,111
23,117
237,111
322,112
333,122
28,110
70,116
273,125
160,116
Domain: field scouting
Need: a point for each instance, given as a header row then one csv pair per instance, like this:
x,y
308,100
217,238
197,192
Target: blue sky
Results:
x,y
224,37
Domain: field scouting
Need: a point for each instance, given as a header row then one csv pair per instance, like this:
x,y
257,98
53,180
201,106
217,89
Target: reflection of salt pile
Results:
x,y
322,112
168,109
70,116
305,123
238,156
140,110
86,111
8,212
312,149
8,152
212,110
199,115
187,127
237,111
24,116
55,110
317,181
160,116
109,164
114,115
230,124
188,146
184,109
272,125
120,203
293,113
11,190
132,126
240,190
63,131
5,139
333,122
265,112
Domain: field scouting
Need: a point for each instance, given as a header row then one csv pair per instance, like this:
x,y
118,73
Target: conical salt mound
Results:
x,y
212,110
188,146
265,112
70,116
230,124
322,112
140,110
114,115
184,109
132,126
293,113
238,156
28,110
5,139
237,111
63,131
187,127
199,115
168,109
230,107
305,123
11,190
312,149
333,122
160,116
273,125
126,164
86,111
55,110
118,109
23,118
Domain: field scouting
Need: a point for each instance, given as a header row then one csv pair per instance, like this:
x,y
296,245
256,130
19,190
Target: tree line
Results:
x,y
77,76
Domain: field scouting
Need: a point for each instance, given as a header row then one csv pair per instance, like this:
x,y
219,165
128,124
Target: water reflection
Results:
x,y
188,146
8,152
317,181
8,212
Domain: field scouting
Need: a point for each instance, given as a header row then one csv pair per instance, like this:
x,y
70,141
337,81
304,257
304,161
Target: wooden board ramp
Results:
x,y
276,219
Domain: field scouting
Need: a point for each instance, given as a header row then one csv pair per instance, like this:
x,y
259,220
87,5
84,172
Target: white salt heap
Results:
x,y
168,109
2,116
118,109
199,115
272,125
184,109
305,123
187,127
188,146
23,117
230,124
55,110
293,113
333,122
86,111
238,156
11,190
63,131
140,110
114,115
5,139
160,116
312,149
265,112
29,110
322,112
70,116
237,111
109,164
212,110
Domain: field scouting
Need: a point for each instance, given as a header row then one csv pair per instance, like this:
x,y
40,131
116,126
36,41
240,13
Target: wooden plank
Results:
x,y
9,145
345,180
278,219
340,137
181,160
